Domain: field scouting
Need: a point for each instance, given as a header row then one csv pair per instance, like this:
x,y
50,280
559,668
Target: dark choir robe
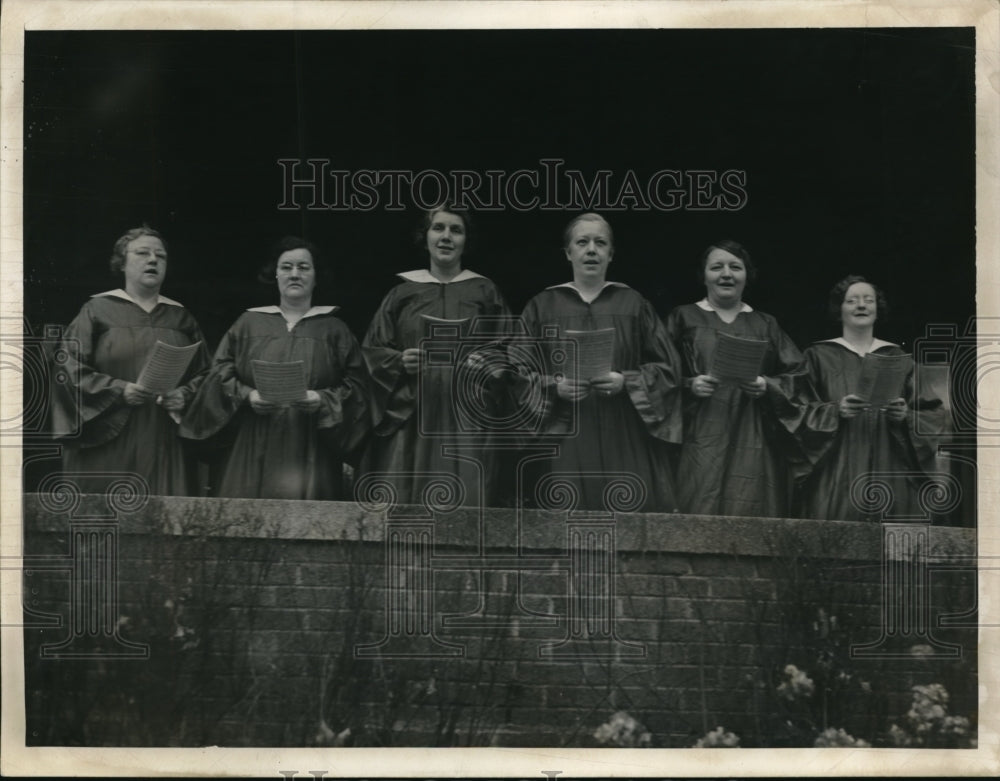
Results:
x,y
628,432
108,344
292,453
737,451
416,417
840,450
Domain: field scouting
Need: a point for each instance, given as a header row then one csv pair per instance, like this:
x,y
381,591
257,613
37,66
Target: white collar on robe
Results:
x,y
423,275
119,293
576,290
703,304
276,310
876,344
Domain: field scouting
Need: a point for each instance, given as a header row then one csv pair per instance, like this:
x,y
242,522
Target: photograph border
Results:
x,y
19,16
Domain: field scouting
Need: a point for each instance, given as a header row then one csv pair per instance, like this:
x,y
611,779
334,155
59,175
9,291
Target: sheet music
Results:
x,y
738,358
593,351
280,382
166,366
883,377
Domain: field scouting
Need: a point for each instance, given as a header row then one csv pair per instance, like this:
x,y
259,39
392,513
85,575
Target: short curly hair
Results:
x,y
287,244
839,291
117,262
733,248
427,219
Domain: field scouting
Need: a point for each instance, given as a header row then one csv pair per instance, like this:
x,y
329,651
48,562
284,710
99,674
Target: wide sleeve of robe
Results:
x,y
344,416
644,356
655,387
397,325
783,369
535,379
90,407
221,393
343,413
914,440
393,391
89,394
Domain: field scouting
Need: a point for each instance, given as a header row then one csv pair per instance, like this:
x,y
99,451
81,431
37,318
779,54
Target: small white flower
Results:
x,y
718,738
624,731
838,738
899,736
796,684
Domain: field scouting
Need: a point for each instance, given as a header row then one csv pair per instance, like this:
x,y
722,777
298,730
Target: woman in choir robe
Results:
x,y
625,420
431,415
845,437
738,444
105,420
294,450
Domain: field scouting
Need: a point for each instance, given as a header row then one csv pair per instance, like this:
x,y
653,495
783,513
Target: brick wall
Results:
x,y
270,623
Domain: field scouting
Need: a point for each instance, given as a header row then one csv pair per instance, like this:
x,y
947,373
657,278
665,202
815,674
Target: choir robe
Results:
x,y
106,347
291,453
842,449
630,432
738,451
415,417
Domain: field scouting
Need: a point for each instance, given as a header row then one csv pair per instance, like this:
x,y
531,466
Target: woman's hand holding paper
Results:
x,y
851,406
755,388
704,385
260,405
608,384
172,401
572,390
135,395
411,359
310,403
895,410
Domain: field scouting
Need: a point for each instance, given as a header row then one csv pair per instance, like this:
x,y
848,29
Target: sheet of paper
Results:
x,y
883,377
737,358
280,382
166,366
593,351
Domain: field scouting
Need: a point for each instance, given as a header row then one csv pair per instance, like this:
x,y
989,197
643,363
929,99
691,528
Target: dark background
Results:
x,y
858,147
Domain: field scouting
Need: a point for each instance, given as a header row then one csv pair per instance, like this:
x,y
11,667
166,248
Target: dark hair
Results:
x,y
839,291
427,219
586,217
733,248
117,262
287,244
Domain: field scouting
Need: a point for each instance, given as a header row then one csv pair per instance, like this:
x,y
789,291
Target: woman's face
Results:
x,y
446,239
296,275
145,264
590,250
725,277
860,306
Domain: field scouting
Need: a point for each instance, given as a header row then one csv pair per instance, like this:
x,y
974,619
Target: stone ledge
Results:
x,y
498,529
